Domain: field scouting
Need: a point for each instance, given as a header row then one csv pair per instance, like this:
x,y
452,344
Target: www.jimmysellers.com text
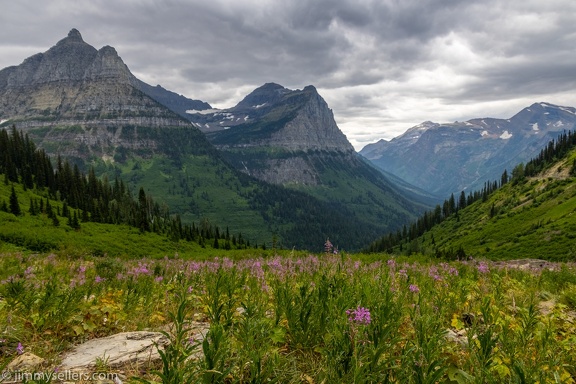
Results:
x,y
21,377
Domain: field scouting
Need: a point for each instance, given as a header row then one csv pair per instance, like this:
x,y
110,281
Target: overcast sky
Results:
x,y
382,66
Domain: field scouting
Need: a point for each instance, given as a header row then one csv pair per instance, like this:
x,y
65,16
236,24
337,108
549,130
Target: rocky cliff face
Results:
x,y
272,132
75,84
295,120
313,128
449,158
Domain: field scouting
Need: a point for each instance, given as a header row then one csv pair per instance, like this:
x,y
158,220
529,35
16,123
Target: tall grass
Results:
x,y
315,319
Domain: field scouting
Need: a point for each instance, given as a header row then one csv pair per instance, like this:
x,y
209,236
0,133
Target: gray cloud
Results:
x,y
382,65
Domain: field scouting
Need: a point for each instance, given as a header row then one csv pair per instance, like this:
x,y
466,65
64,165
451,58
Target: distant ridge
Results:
x,y
448,158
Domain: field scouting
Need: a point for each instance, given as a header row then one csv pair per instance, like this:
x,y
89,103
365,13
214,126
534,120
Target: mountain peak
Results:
x,y
74,36
310,88
266,95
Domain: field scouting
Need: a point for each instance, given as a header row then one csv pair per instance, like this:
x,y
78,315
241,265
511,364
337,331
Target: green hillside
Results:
x,y
182,171
529,217
343,182
39,234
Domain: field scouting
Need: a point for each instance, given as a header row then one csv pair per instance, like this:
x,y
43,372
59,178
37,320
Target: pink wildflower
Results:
x,y
359,315
414,288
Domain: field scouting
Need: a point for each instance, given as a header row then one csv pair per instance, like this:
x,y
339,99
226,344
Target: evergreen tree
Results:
x,y
75,222
14,205
143,222
32,210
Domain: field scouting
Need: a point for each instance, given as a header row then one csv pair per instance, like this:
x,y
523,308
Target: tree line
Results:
x,y
87,198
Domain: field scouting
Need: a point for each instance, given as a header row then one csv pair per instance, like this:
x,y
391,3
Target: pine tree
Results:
x,y
49,211
14,205
32,209
75,222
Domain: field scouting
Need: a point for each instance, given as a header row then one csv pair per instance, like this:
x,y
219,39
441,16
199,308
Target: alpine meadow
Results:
x,y
146,237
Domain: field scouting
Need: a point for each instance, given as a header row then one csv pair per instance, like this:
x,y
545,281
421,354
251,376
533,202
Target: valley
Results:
x,y
254,244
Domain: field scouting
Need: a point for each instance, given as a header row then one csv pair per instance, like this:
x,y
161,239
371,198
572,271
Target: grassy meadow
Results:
x,y
301,318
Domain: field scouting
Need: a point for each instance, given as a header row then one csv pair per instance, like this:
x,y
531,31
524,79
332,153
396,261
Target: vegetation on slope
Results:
x,y
530,214
196,183
42,208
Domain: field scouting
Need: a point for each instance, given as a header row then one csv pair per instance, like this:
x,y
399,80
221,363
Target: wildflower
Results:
x,y
158,279
328,246
99,279
391,263
190,289
359,315
20,348
414,288
483,268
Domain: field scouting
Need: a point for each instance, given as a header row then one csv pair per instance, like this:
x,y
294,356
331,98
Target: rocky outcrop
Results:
x,y
291,170
313,128
138,347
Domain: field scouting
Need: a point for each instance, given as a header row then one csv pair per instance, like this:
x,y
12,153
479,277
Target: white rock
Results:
x,y
115,350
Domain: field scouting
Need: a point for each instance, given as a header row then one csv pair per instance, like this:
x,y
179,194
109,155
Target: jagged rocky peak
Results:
x,y
70,60
73,81
73,36
108,65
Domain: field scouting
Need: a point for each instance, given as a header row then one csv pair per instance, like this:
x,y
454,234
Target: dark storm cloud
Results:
x,y
382,65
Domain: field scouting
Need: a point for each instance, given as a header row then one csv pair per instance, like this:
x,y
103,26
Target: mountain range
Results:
x,y
449,158
84,104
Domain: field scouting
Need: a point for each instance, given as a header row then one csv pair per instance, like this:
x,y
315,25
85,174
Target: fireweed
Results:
x,y
314,318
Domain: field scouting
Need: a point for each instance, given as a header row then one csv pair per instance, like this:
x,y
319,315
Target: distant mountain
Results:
x,y
448,158
289,138
84,104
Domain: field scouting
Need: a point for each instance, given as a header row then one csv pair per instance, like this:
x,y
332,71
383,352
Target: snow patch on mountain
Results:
x,y
505,135
535,127
202,112
569,110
